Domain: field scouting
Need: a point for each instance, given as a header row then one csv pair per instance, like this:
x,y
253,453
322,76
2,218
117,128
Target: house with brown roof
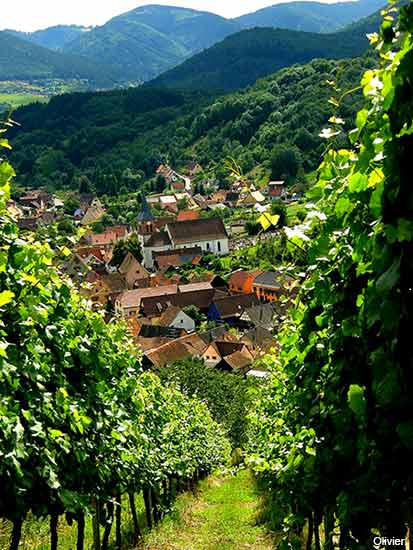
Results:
x,y
175,258
133,272
211,356
174,317
229,356
176,350
194,168
153,306
239,361
36,199
129,302
107,238
208,234
104,287
93,215
231,308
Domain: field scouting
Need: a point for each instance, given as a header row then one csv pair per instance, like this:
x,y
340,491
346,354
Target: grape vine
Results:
x,y
333,432
80,423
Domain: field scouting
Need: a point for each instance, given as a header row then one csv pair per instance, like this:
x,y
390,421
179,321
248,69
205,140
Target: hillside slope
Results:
x,y
21,60
104,135
242,58
151,39
310,16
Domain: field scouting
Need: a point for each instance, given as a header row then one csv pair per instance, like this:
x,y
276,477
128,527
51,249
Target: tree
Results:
x,y
84,184
278,208
285,162
195,314
252,227
123,247
228,395
71,205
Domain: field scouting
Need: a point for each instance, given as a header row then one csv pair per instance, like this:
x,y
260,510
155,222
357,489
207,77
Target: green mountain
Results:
x,y
310,16
144,43
21,60
242,58
151,39
54,38
107,136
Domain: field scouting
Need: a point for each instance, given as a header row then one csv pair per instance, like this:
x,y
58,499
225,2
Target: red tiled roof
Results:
x,y
188,215
86,251
133,298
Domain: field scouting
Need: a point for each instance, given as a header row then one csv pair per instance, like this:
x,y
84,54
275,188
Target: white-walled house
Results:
x,y
208,234
158,242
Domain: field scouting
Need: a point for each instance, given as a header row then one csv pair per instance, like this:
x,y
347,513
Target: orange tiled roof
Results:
x,y
188,215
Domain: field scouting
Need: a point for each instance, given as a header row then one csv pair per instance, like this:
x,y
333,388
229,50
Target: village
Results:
x,y
173,310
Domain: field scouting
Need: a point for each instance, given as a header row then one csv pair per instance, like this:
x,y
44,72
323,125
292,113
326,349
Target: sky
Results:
x,y
30,15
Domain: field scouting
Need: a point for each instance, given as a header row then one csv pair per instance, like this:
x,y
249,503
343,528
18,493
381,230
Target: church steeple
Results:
x,y
145,214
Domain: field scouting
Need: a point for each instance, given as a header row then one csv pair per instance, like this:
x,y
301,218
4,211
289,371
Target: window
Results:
x,y
219,246
208,246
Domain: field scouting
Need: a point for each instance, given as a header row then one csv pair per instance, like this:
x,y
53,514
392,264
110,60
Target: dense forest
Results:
x,y
107,135
22,60
242,58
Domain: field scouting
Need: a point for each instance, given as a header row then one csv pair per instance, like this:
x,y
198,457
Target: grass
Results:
x,y
222,516
17,100
36,533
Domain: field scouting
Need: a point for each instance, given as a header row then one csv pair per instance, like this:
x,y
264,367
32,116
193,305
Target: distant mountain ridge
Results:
x,y
151,39
54,38
310,16
148,41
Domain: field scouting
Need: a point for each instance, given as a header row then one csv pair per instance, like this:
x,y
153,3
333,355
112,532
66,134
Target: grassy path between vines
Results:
x,y
222,516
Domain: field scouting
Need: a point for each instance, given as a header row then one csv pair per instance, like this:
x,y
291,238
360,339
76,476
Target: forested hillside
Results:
x,y
242,58
21,60
310,16
104,134
151,39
